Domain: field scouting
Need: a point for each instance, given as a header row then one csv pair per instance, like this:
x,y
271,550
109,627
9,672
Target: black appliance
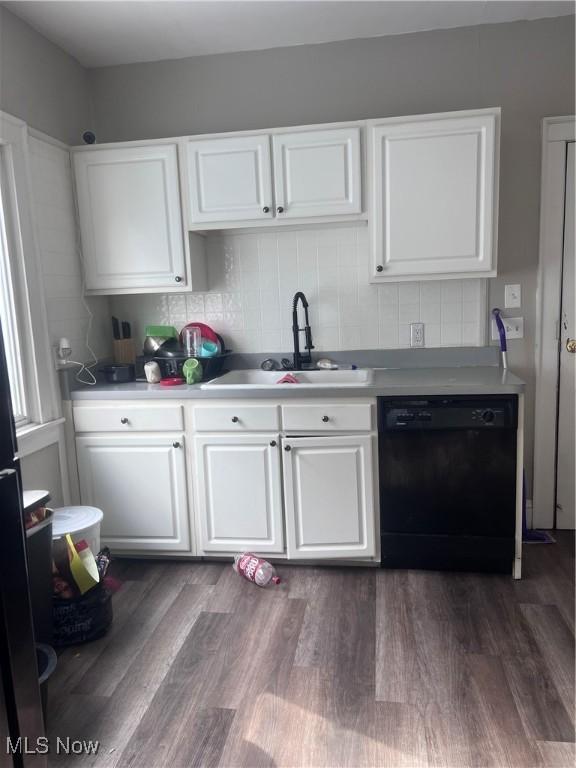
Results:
x,y
20,702
119,373
447,468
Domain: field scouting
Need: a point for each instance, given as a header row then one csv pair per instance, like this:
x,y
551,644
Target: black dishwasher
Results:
x,y
447,468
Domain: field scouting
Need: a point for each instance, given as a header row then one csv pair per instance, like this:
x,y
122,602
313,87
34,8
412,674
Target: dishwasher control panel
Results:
x,y
446,413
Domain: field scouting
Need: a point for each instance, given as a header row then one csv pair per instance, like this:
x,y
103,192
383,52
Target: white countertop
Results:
x,y
470,380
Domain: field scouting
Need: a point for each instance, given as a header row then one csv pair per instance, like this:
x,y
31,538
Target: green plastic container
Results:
x,y
167,331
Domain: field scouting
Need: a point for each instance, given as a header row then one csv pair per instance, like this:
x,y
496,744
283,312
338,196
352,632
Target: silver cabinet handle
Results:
x,y
123,420
273,443
325,418
287,447
235,419
176,445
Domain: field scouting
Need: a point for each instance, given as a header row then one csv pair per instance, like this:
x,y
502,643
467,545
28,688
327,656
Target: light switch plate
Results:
x,y
512,296
514,328
416,334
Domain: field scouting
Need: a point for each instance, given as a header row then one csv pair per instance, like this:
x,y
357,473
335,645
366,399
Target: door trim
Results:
x,y
557,132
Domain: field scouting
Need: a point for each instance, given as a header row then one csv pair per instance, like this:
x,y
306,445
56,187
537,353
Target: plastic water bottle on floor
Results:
x,y
255,569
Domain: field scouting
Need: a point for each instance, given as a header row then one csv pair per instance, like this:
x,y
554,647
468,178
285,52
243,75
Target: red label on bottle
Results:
x,y
248,565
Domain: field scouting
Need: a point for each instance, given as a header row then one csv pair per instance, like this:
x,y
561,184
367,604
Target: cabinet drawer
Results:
x,y
128,418
327,418
232,418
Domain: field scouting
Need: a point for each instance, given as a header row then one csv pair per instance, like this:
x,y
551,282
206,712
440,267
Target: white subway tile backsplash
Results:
x,y
409,293
403,335
213,302
431,291
471,334
195,304
253,278
430,312
408,313
351,337
451,291
432,335
271,341
388,293
451,334
388,335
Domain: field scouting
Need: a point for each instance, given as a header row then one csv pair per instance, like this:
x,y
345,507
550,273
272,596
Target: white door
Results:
x,y
230,179
317,173
130,217
434,196
329,496
566,449
139,483
239,493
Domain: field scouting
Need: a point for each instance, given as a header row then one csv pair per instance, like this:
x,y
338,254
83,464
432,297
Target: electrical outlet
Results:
x,y
514,327
512,296
416,334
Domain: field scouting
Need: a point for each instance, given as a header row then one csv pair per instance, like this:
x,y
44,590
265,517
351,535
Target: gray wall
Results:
x,y
41,84
527,68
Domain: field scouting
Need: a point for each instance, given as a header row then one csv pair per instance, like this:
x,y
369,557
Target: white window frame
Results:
x,y
40,384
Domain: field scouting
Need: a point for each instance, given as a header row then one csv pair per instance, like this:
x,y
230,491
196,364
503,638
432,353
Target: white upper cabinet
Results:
x,y
317,173
434,195
131,218
230,179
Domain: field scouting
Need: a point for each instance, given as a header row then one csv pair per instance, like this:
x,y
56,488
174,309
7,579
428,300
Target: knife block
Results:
x,y
124,350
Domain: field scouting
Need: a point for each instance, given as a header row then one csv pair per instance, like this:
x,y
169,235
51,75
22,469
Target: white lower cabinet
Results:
x,y
253,484
239,492
328,497
139,481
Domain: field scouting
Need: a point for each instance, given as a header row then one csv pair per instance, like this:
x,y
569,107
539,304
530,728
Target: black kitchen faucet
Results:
x,y
299,359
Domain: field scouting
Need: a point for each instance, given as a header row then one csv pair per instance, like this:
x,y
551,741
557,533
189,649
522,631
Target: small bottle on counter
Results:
x,y
152,372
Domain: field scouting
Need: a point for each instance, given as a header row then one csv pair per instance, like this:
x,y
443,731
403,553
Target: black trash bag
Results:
x,y
84,618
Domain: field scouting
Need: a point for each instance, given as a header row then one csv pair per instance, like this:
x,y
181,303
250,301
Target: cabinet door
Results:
x,y
329,496
130,217
239,493
434,196
139,483
317,173
230,179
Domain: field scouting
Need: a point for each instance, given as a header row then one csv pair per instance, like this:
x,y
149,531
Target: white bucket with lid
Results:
x,y
80,523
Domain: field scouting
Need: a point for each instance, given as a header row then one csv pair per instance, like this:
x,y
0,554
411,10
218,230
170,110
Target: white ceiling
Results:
x,y
99,33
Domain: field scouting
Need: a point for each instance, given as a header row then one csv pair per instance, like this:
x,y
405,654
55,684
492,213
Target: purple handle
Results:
x,y
501,330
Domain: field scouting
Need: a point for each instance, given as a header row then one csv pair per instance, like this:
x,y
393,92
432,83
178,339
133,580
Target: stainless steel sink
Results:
x,y
257,379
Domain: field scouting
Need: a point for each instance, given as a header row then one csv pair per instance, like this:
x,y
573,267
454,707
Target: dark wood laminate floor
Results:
x,y
335,667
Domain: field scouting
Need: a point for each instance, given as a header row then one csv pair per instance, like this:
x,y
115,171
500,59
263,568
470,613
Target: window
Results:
x,y
8,311
22,309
